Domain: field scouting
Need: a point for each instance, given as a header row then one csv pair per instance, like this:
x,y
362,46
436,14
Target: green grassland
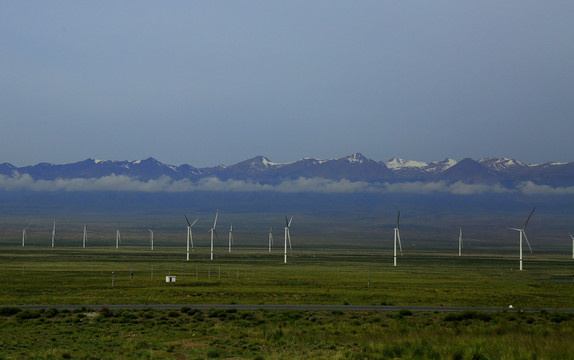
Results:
x,y
100,275
34,275
259,334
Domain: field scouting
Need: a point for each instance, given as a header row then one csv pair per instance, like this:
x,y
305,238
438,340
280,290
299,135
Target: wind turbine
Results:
x,y
397,237
53,232
460,242
572,244
24,237
151,236
213,232
118,237
189,236
287,236
230,236
523,233
270,238
85,237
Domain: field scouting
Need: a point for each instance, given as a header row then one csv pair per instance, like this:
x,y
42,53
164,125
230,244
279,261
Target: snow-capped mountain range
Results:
x,y
355,167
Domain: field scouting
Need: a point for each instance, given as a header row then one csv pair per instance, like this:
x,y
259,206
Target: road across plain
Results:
x,y
289,307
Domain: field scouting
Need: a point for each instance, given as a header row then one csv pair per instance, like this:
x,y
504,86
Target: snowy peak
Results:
x,y
356,158
259,162
398,164
501,164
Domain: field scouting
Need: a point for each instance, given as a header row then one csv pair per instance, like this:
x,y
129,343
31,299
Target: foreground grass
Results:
x,y
196,334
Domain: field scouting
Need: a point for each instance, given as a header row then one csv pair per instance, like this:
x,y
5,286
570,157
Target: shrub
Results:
x,y
51,312
468,315
9,311
405,312
105,312
212,353
27,314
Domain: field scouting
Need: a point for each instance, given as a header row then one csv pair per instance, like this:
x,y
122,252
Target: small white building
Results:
x,y
170,278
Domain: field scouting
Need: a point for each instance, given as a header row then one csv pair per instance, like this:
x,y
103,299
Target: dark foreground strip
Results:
x,y
286,307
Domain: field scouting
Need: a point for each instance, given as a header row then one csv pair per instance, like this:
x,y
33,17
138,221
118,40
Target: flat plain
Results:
x,y
96,276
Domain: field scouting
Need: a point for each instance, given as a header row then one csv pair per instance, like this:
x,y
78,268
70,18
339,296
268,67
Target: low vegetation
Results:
x,y
96,277
200,334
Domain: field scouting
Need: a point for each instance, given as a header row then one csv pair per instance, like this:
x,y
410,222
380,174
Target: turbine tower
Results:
x,y
213,232
523,233
118,237
85,237
53,232
230,236
270,238
151,236
24,237
460,242
397,237
287,236
572,236
189,236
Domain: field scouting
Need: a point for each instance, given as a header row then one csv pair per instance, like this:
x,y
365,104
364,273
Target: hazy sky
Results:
x,y
214,82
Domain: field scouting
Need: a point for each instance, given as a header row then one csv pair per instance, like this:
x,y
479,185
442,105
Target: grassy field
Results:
x,y
232,334
34,275
98,275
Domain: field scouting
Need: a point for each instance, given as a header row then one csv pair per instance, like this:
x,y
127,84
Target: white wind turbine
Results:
x,y
287,236
53,232
523,233
213,232
572,245
85,239
270,238
230,236
397,237
460,242
118,237
151,236
24,237
189,236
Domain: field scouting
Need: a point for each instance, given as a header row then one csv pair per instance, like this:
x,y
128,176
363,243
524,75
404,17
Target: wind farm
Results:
x,y
338,263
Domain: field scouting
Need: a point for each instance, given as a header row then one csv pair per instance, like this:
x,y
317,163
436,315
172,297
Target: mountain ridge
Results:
x,y
354,167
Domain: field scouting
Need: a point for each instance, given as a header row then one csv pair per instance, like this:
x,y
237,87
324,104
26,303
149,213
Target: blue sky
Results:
x,y
215,82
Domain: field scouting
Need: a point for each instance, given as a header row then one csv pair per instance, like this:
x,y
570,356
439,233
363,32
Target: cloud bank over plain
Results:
x,y
24,182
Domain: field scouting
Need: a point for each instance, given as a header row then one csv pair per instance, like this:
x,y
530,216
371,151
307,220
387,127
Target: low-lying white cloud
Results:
x,y
315,185
530,188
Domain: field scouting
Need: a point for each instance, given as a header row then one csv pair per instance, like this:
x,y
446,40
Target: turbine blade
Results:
x,y
215,222
290,220
289,237
194,222
571,236
399,238
186,219
286,222
524,232
398,218
527,220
